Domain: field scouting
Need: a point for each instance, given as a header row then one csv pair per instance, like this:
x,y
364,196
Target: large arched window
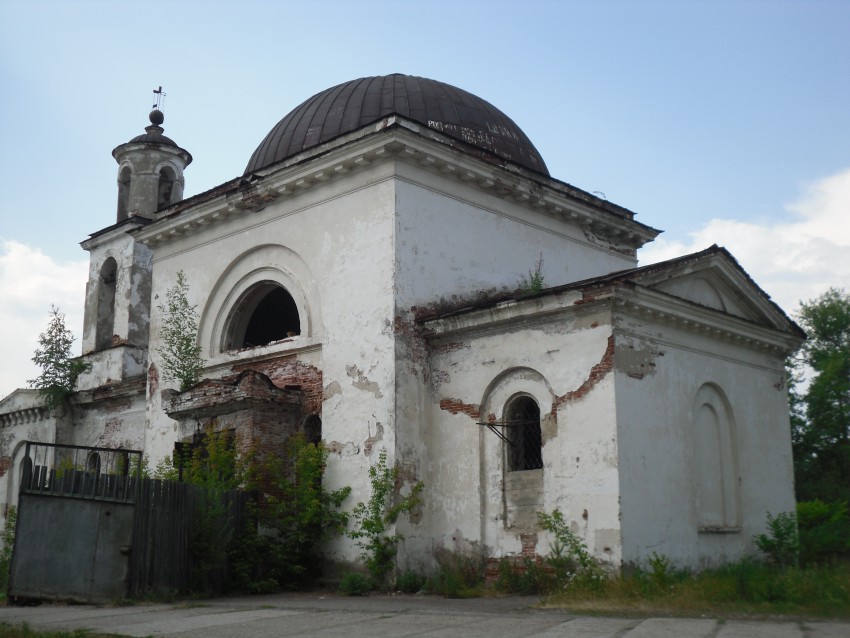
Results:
x,y
266,313
524,439
106,304
715,461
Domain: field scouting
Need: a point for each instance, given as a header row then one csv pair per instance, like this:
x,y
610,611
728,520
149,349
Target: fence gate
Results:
x,y
75,523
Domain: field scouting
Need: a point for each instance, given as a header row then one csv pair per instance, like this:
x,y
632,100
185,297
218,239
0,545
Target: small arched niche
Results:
x,y
715,458
106,304
266,313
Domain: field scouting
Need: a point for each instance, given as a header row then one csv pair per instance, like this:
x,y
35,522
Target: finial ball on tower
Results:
x,y
156,117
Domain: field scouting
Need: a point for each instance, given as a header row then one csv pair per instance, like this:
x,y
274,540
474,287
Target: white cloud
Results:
x,y
30,282
793,260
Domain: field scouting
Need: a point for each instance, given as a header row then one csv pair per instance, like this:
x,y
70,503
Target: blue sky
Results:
x,y
719,122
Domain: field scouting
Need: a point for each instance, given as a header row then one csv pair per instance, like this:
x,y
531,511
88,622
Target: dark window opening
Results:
x,y
93,463
524,435
106,305
313,429
166,187
268,313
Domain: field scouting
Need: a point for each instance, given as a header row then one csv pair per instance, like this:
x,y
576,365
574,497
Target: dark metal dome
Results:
x,y
442,107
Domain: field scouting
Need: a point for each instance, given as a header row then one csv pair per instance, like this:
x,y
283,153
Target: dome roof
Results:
x,y
352,105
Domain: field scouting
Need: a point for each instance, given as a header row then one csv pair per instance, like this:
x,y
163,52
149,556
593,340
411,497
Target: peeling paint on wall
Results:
x,y
343,449
372,440
331,390
362,382
637,362
438,378
597,373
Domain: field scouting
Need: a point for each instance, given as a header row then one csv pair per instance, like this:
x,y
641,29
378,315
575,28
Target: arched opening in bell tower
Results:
x,y
124,176
106,304
166,187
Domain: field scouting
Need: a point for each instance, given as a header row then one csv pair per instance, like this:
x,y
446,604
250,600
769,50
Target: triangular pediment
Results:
x,y
714,279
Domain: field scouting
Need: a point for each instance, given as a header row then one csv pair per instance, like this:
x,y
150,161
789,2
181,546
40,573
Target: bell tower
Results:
x,y
116,325
150,171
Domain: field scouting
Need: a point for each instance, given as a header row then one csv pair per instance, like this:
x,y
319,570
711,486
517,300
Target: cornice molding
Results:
x,y
660,307
649,305
24,416
399,143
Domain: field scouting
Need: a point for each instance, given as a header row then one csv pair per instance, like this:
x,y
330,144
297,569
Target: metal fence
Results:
x,y
81,471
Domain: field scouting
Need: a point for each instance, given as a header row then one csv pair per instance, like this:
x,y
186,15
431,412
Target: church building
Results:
x,y
396,270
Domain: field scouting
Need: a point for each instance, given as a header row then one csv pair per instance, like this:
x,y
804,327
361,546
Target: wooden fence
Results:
x,y
167,516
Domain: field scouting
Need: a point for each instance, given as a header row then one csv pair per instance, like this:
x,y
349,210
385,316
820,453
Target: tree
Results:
x,y
180,352
821,414
59,370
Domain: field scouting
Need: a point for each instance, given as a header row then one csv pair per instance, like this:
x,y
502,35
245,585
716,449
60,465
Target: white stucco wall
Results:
x,y
332,247
457,242
659,453
553,360
456,239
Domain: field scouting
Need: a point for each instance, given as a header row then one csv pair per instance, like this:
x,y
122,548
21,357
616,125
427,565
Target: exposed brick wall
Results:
x,y
410,339
456,406
262,415
288,371
529,544
597,373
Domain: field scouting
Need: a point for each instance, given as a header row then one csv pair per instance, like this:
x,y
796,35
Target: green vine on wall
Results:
x,y
374,520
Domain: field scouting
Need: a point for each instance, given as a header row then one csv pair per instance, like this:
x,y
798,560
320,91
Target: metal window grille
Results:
x,y
524,436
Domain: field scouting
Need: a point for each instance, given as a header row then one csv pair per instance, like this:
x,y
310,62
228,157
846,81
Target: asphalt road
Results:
x,y
377,616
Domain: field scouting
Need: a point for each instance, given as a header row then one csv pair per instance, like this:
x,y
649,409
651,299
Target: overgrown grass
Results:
x,y
747,587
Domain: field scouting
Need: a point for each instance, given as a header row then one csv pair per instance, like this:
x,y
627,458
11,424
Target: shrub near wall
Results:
x,y
824,530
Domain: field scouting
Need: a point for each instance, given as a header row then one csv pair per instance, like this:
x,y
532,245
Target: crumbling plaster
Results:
x,y
132,288
580,468
334,255
455,243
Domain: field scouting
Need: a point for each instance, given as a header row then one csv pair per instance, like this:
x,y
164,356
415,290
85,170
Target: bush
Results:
x,y
781,543
279,545
570,559
458,576
373,520
527,577
824,530
354,584
409,582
